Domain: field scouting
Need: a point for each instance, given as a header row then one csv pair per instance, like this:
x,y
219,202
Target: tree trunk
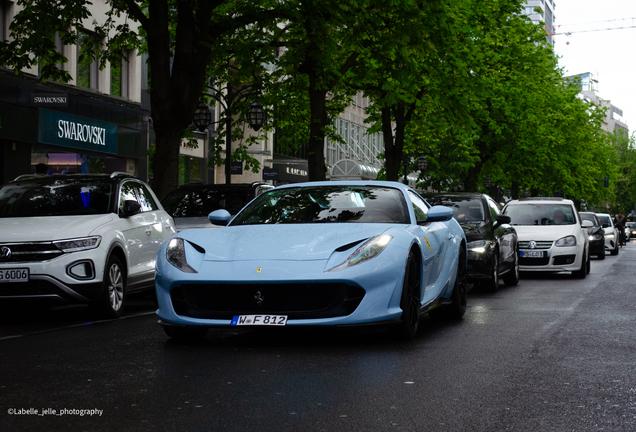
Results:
x,y
393,144
318,121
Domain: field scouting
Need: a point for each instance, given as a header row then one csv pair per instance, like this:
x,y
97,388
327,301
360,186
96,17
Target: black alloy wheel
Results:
x,y
512,277
410,300
459,296
492,284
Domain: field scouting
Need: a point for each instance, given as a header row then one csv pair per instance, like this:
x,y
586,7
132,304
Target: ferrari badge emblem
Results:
x,y
258,269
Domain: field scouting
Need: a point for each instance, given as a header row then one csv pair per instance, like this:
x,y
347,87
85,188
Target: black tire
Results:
x,y
186,333
492,284
113,299
601,256
459,296
615,250
588,267
512,277
582,272
410,300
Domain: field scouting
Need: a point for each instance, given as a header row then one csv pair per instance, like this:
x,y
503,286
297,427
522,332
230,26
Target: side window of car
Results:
x,y
494,209
419,207
126,192
145,199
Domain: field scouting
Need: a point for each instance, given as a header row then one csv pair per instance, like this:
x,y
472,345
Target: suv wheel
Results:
x,y
111,303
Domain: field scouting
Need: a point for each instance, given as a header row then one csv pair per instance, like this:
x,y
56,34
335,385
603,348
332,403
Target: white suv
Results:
x,y
611,233
551,235
79,238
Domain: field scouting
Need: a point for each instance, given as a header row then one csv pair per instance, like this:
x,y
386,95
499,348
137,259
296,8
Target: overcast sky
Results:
x,y
609,54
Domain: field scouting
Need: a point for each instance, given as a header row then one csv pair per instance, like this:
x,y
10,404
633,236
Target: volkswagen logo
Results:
x,y
5,253
533,244
259,298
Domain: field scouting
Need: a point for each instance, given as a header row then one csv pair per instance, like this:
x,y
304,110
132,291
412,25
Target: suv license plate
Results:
x,y
531,254
259,320
14,275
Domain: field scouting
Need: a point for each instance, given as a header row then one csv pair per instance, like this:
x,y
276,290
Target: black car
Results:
x,y
189,205
493,249
596,233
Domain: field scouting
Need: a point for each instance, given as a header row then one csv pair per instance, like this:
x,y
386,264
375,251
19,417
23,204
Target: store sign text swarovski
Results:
x,y
81,132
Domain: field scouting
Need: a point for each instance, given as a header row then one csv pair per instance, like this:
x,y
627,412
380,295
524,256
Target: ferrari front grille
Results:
x,y
296,300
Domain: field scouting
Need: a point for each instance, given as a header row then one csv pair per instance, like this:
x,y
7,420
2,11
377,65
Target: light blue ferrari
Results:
x,y
345,253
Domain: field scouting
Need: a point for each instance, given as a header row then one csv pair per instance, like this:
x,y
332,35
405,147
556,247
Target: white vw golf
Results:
x,y
79,238
551,235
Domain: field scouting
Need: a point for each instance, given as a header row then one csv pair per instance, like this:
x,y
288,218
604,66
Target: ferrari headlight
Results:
x,y
176,255
368,250
479,246
78,244
566,241
609,235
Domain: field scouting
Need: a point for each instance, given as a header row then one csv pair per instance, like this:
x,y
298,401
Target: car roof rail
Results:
x,y
541,199
120,174
25,176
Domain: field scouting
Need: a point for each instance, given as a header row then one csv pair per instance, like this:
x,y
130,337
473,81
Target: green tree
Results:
x,y
182,38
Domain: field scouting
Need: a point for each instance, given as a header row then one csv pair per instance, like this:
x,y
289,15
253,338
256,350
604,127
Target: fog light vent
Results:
x,y
82,270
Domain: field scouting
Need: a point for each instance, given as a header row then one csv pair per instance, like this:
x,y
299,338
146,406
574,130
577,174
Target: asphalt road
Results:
x,y
551,354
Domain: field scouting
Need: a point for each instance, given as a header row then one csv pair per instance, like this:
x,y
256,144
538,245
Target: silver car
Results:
x,y
611,232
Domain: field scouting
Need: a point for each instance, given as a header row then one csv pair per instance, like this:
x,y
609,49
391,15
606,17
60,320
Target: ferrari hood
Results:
x,y
49,228
544,232
293,242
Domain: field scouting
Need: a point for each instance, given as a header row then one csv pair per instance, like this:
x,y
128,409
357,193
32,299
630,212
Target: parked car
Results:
x,y
493,249
79,239
596,233
630,230
611,232
346,253
189,205
552,237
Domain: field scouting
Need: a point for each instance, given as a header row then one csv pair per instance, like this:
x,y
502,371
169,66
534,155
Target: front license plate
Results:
x,y
14,275
531,254
259,320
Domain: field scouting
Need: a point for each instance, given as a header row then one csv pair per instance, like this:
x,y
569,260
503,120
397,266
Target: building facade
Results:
x,y
94,123
613,121
545,15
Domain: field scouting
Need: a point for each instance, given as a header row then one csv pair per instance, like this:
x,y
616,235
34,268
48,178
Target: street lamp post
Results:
x,y
256,116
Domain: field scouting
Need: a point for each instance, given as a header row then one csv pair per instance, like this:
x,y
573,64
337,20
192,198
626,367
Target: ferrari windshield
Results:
x,y
319,204
541,214
55,197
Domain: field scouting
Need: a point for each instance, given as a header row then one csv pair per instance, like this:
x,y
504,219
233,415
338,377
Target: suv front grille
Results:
x,y
296,300
539,244
29,252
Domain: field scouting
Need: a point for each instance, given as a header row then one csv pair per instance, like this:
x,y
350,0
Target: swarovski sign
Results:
x,y
81,132
77,132
49,99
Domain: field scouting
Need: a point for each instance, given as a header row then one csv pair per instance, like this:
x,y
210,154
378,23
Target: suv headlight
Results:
x,y
479,246
368,250
176,255
566,241
78,244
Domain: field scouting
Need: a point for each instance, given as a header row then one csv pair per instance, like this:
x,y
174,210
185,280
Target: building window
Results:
x,y
87,67
119,77
3,17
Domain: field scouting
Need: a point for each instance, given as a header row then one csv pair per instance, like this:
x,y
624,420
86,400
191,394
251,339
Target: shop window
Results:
x,y
87,66
190,170
119,77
